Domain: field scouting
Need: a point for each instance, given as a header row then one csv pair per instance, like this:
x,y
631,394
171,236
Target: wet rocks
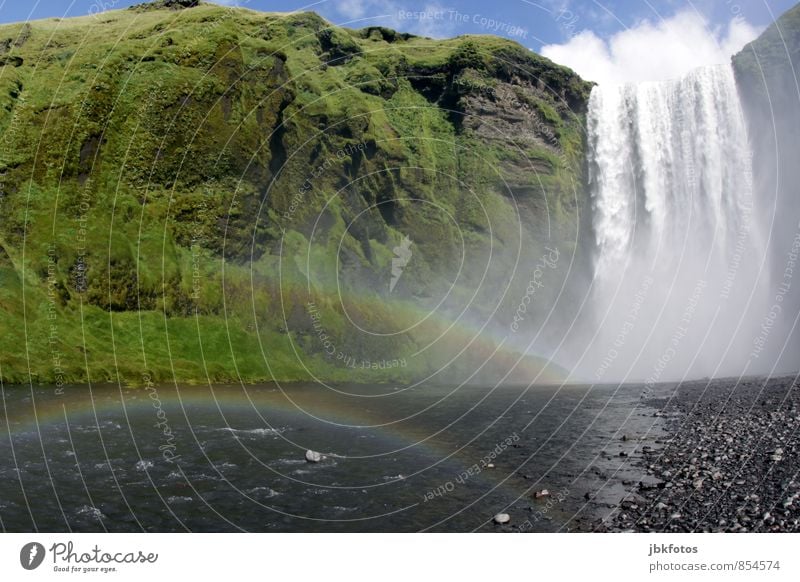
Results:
x,y
731,464
313,456
180,3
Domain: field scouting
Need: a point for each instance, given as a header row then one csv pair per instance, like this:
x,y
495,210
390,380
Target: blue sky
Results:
x,y
531,22
604,40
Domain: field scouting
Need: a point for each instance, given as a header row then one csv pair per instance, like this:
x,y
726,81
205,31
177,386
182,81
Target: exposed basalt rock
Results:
x,y
766,72
12,61
385,34
171,4
338,47
506,114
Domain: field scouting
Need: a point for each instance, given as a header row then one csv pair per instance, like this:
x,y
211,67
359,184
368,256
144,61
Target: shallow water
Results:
x,y
396,459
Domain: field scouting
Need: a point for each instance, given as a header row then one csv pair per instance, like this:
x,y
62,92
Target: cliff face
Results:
x,y
184,186
768,73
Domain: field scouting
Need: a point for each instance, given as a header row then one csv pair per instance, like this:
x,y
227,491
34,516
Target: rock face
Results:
x,y
767,71
173,4
180,142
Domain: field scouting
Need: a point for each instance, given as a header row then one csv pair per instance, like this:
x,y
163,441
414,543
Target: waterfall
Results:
x,y
679,267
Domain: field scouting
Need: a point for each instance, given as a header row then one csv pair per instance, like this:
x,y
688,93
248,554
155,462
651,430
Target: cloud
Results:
x,y
351,9
431,20
652,51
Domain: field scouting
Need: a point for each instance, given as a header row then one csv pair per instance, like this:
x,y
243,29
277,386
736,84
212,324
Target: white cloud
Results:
x,y
432,20
351,9
652,51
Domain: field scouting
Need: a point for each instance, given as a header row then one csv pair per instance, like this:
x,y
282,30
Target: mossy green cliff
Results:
x,y
181,188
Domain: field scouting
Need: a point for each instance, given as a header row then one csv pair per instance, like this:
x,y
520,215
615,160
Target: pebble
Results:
x,y
502,518
313,456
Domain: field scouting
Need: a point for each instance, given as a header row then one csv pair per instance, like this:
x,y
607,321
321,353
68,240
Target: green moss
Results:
x,y
163,173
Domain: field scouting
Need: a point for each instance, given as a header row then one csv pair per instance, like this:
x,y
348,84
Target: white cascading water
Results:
x,y
680,262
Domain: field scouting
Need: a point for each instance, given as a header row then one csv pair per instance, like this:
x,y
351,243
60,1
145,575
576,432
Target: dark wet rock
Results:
x,y
729,465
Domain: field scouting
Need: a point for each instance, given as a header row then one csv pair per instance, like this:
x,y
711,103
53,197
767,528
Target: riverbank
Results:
x,y
730,463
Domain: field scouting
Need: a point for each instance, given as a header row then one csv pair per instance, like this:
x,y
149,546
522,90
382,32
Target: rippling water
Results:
x,y
232,458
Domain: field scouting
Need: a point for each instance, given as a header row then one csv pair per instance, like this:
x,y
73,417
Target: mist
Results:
x,y
694,224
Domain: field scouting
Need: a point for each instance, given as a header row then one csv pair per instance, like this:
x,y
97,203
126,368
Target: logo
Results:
x,y
402,257
31,555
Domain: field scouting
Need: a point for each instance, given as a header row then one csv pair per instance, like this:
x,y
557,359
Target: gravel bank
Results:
x,y
730,465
